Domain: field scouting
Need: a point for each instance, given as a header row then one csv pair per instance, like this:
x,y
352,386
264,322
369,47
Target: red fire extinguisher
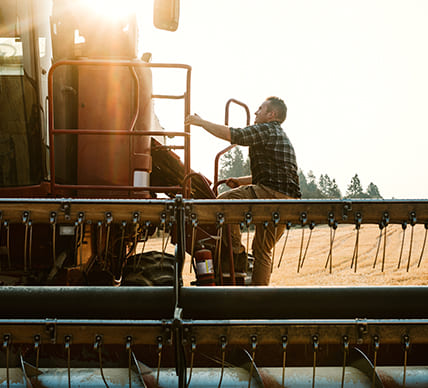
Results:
x,y
204,267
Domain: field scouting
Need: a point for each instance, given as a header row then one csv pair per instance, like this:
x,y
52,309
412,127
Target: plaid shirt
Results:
x,y
272,157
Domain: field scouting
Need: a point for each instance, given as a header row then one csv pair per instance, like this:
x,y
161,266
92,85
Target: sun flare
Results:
x,y
111,9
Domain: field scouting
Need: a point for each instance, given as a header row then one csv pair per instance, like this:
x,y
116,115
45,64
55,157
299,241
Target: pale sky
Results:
x,y
352,73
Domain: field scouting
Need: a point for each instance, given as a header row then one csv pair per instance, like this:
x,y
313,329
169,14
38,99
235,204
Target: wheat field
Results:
x,y
370,260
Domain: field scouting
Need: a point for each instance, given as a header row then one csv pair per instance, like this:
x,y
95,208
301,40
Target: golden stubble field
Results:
x,y
314,273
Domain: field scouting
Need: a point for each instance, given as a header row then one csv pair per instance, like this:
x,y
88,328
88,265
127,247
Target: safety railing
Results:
x,y
132,65
226,122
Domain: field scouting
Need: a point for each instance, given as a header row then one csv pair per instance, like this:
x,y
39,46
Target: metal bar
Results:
x,y
206,210
226,122
268,335
169,97
177,325
50,134
172,189
6,343
376,350
215,303
117,132
223,341
171,147
406,341
237,102
315,346
230,254
316,210
34,191
81,201
216,163
252,358
68,210
6,224
159,350
208,332
284,358
67,341
312,302
219,322
345,353
187,167
137,99
192,358
124,63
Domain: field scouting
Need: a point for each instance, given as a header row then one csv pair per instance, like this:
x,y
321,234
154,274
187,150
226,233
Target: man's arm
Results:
x,y
218,130
239,181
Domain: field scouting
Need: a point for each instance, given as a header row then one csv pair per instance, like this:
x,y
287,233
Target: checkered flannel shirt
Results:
x,y
272,156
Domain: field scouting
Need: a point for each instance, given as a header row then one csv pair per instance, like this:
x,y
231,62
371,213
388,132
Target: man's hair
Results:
x,y
278,106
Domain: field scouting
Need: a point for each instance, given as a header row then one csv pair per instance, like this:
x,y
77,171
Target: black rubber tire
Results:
x,y
151,269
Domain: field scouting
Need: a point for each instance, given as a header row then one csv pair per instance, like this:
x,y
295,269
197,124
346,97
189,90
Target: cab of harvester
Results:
x,y
77,121
87,175
86,61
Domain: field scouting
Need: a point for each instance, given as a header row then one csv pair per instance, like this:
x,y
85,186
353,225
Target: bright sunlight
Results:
x,y
111,9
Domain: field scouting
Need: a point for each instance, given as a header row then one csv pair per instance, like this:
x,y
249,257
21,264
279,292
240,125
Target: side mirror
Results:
x,y
166,14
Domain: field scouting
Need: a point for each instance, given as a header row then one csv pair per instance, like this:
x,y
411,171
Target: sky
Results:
x,y
352,73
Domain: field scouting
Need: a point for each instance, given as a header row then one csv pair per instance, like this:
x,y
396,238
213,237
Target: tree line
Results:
x,y
326,187
233,164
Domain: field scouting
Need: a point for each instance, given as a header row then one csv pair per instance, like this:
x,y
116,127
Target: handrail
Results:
x,y
116,132
137,102
218,183
226,122
202,177
247,110
153,189
130,132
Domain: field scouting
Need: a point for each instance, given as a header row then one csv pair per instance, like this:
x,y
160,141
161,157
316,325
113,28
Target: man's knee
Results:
x,y
232,194
224,195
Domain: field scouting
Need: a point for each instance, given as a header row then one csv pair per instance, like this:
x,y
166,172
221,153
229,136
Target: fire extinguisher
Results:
x,y
204,267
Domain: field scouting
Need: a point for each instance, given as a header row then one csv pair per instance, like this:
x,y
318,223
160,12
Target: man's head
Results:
x,y
273,109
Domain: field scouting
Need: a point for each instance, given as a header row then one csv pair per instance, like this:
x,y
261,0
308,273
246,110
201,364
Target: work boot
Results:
x,y
240,264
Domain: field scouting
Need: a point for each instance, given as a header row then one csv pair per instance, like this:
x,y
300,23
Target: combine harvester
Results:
x,y
82,163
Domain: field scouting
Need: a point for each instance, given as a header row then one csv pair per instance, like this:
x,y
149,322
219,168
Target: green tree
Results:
x,y
373,191
247,167
303,184
355,190
328,187
334,190
308,185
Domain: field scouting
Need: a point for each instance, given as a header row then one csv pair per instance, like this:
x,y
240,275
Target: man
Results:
x,y
273,175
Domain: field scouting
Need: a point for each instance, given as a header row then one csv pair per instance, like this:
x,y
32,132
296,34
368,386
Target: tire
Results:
x,y
149,269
